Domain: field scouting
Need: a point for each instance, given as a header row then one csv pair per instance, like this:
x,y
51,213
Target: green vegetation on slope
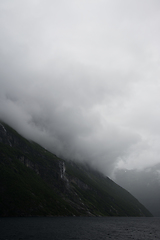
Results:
x,y
23,192
108,197
35,182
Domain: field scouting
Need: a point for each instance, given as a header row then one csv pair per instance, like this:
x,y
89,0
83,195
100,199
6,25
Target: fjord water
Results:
x,y
88,228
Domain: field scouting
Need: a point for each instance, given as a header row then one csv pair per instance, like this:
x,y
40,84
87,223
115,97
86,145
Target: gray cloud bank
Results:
x,y
82,78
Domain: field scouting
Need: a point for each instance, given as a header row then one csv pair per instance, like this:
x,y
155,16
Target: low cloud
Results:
x,y
82,79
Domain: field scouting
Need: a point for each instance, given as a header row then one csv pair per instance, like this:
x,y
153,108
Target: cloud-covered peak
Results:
x,y
82,78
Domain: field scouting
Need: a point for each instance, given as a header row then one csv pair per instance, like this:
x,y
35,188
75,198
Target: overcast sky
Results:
x,y
82,78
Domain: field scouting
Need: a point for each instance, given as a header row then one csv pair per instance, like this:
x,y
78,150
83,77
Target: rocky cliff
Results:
x,y
35,182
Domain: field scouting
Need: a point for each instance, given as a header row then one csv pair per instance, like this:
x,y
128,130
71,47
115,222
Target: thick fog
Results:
x,y
82,78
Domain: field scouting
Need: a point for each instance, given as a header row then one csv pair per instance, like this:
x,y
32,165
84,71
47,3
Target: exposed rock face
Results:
x,y
57,187
4,136
29,164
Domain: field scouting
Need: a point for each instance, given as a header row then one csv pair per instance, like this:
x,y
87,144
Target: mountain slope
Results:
x,y
35,182
148,180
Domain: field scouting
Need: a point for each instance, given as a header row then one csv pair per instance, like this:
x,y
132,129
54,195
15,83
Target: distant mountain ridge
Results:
x,y
144,185
35,182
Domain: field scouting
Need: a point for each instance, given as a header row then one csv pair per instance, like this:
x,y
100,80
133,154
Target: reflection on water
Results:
x,y
88,228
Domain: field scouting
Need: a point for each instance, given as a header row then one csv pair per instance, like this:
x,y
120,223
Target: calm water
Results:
x,y
88,228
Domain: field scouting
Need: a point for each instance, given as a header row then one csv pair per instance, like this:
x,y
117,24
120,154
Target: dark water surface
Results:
x,y
88,228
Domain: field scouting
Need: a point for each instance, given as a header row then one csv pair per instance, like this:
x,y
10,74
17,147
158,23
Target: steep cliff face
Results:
x,y
34,181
